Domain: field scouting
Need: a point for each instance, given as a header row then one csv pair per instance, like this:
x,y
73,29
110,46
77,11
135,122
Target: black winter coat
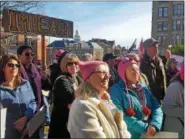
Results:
x,y
63,96
155,72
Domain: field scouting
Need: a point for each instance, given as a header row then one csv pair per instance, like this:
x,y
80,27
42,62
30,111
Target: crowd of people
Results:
x,y
117,97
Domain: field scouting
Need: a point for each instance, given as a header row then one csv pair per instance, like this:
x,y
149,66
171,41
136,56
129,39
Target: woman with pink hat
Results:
x,y
173,105
92,114
142,113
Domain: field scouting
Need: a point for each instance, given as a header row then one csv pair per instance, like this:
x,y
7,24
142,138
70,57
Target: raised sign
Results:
x,y
27,23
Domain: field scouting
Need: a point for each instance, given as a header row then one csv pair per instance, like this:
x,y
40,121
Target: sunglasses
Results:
x,y
11,65
72,63
29,54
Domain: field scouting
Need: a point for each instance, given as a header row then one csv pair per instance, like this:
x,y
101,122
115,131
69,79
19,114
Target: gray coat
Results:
x,y
173,107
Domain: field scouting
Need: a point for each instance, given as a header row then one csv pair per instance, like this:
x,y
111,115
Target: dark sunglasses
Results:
x,y
72,63
29,54
11,65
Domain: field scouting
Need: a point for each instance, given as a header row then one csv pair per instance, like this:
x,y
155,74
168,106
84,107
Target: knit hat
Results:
x,y
59,52
88,67
182,72
65,58
125,62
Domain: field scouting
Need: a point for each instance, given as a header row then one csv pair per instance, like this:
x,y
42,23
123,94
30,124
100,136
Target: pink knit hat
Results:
x,y
125,62
182,72
88,67
59,52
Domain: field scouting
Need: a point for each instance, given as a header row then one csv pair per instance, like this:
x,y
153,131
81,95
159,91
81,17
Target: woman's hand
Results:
x,y
151,131
20,123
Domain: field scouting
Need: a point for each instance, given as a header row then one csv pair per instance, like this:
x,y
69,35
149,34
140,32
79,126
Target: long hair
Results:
x,y
3,61
85,90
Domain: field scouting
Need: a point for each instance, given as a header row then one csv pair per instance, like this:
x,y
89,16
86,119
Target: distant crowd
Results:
x,y
117,97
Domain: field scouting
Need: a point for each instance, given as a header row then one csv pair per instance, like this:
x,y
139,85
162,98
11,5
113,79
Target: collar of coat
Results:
x,y
114,119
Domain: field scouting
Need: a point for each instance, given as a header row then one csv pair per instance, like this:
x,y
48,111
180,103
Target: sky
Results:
x,y
119,21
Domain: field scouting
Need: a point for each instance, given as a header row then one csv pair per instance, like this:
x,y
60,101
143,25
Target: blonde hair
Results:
x,y
85,90
69,57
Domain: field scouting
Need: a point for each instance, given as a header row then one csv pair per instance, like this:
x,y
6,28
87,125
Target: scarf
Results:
x,y
37,80
142,99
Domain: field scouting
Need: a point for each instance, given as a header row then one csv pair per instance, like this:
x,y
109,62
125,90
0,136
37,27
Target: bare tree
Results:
x,y
6,39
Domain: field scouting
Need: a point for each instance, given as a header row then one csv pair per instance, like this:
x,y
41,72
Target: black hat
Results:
x,y
149,42
22,48
108,56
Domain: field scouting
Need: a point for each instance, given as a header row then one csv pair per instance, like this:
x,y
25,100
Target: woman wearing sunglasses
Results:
x,y
17,96
92,114
63,95
142,113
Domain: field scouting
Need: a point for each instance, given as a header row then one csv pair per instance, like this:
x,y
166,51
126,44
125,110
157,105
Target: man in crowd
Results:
x,y
87,57
109,58
31,73
166,56
152,66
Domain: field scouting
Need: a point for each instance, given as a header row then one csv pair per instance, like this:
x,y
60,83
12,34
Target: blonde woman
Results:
x,y
63,95
92,114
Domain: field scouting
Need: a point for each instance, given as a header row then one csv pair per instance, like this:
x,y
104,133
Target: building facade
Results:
x,y
168,23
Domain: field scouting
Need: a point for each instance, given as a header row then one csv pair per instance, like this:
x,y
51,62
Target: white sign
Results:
x,y
36,121
161,135
3,122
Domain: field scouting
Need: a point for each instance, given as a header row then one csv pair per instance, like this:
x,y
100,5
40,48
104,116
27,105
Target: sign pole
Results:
x,y
43,53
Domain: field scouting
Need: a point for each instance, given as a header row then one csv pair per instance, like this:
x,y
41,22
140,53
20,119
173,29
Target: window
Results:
x,y
159,39
163,11
174,25
178,24
178,39
160,10
165,26
182,24
178,9
174,39
162,40
159,26
162,26
182,40
182,9
28,41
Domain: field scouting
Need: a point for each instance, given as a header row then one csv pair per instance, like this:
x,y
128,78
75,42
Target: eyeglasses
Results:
x,y
11,65
29,54
102,73
72,63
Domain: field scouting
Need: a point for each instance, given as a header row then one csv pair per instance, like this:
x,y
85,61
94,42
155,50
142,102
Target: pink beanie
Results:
x,y
182,72
88,67
125,62
59,52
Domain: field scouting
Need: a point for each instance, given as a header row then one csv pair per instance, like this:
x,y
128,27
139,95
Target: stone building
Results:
x,y
168,22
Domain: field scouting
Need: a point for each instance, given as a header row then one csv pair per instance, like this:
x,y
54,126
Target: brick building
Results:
x,y
108,46
168,23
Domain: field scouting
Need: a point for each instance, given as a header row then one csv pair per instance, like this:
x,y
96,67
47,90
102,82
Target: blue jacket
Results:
x,y
136,125
19,102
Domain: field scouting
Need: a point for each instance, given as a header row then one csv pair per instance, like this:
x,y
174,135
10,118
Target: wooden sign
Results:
x,y
27,23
